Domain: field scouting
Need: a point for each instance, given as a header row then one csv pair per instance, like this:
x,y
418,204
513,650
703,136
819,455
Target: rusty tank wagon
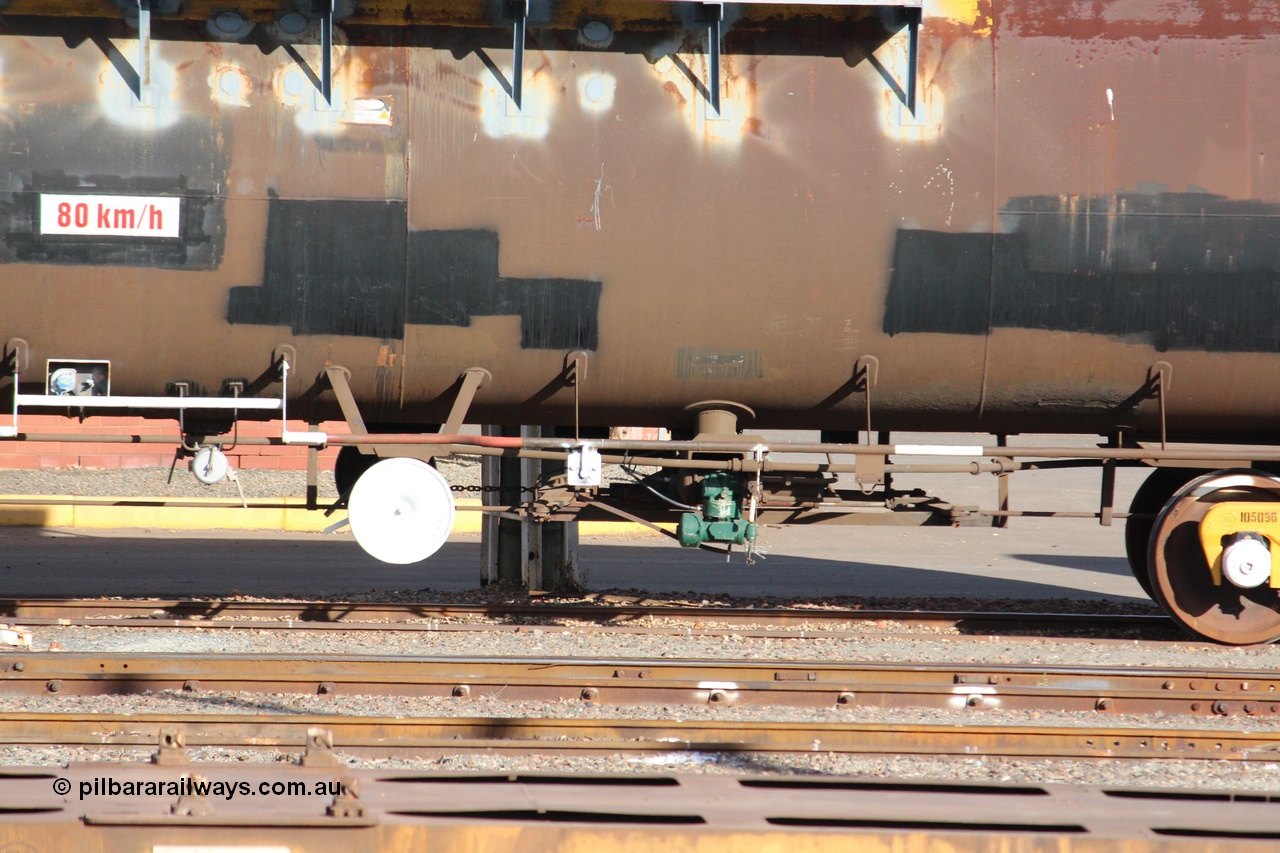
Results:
x,y
1007,216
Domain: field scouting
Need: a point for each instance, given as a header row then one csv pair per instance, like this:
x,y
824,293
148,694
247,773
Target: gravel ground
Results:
x,y
562,642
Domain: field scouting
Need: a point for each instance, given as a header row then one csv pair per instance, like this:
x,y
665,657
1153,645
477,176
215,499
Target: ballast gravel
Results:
x,y
563,642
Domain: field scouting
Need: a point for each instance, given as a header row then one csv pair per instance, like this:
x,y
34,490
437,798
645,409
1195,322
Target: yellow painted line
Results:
x,y
294,517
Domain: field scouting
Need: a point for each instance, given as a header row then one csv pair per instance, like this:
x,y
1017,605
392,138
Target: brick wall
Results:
x,y
91,454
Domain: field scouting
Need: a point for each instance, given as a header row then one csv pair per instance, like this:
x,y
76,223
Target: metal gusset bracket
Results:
x,y
575,373
519,10
1159,381
915,16
866,372
326,51
473,379
144,52
713,15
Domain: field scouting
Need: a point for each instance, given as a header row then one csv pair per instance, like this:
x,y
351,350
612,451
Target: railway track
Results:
x,y
1202,692
595,727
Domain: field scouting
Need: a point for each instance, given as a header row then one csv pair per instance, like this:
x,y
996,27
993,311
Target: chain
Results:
x,y
486,489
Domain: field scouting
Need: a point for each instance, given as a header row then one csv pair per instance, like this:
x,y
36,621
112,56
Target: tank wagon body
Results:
x,y
1008,216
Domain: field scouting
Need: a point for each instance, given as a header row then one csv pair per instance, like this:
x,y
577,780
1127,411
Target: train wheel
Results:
x,y
1150,498
1181,579
401,510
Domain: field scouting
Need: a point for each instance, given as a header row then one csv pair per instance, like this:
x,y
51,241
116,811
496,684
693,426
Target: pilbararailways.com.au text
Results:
x,y
105,786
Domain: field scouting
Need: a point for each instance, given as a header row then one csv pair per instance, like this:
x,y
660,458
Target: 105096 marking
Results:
x,y
109,216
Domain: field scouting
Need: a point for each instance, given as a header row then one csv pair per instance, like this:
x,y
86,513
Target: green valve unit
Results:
x,y
721,519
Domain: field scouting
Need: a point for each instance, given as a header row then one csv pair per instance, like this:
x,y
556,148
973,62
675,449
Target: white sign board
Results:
x,y
109,215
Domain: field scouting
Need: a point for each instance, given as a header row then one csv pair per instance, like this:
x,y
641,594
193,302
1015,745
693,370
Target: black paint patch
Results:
x,y
332,267
72,149
555,313
353,268
1180,271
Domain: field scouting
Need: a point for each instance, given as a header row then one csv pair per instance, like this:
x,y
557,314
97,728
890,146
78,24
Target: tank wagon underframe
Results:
x,y
992,216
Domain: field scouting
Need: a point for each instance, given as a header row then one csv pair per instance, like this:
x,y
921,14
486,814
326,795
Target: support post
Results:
x,y
530,533
1002,490
313,470
490,480
538,555
1106,509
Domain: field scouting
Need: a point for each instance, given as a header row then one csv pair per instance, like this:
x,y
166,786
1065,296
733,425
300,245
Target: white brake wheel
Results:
x,y
401,510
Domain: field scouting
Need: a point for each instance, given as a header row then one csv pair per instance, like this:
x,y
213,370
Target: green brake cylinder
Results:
x,y
721,519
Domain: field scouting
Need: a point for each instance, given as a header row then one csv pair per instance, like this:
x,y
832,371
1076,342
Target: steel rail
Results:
x,y
404,737
802,684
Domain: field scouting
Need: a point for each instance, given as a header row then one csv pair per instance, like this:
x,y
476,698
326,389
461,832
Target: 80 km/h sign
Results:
x,y
109,215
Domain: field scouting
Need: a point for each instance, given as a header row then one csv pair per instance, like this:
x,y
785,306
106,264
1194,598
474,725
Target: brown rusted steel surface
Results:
x,y
435,736
1016,254
404,810
640,681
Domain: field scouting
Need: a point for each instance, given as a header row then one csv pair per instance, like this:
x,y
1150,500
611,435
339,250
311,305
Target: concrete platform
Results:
x,y
289,515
